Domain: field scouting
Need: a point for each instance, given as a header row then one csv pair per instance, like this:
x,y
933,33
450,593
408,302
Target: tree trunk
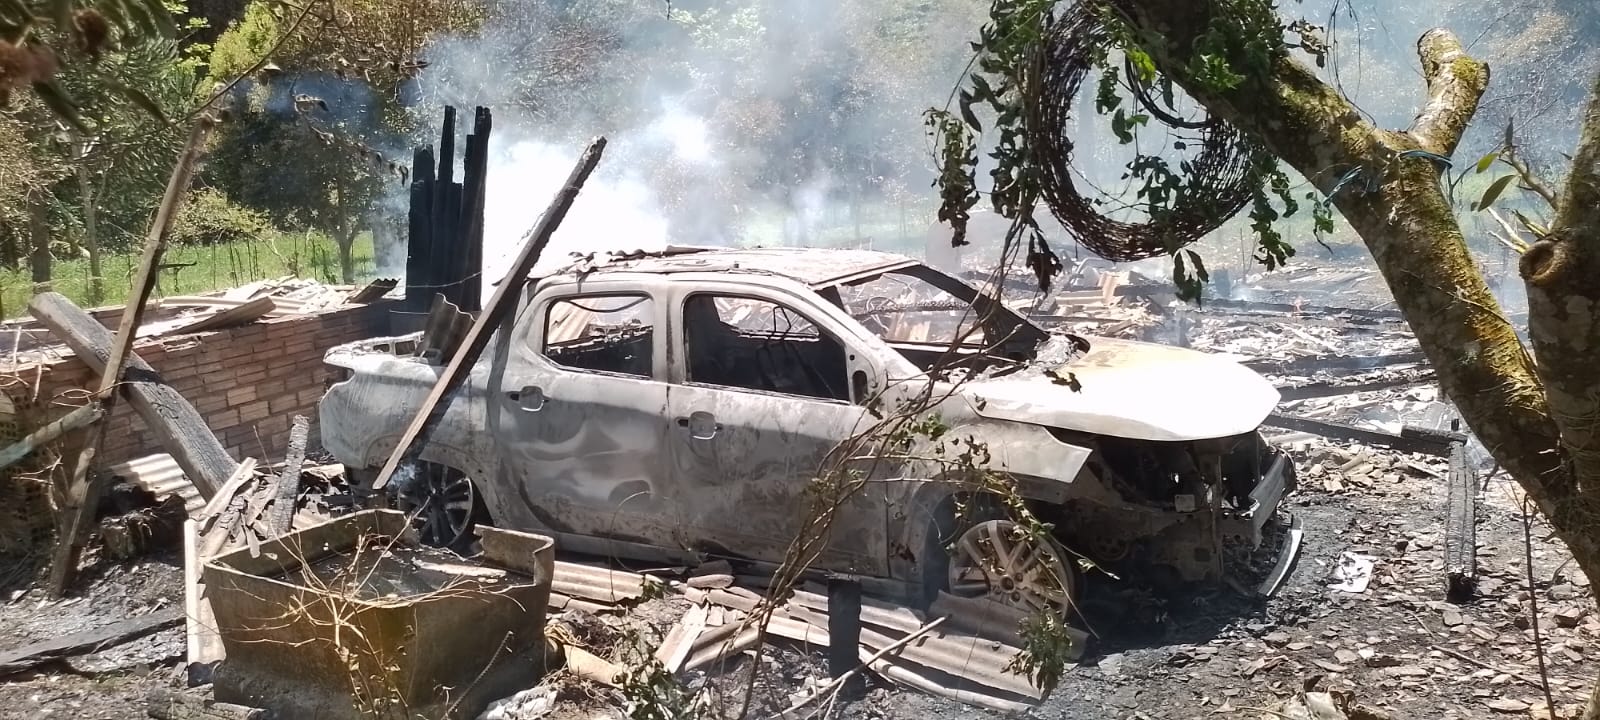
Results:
x,y
39,239
91,237
1537,421
346,240
344,234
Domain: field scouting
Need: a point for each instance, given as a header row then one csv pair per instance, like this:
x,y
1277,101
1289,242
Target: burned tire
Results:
x,y
444,504
982,553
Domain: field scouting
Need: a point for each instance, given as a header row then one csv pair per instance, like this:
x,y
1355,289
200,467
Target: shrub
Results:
x,y
208,217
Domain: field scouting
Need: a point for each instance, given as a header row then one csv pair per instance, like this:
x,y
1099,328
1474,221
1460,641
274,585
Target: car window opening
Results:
x,y
934,320
604,333
759,345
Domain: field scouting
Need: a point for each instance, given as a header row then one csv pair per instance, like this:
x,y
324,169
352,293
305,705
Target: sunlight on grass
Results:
x,y
190,270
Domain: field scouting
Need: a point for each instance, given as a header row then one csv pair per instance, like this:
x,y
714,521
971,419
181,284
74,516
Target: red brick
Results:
x,y
223,420
250,377
252,412
270,388
241,394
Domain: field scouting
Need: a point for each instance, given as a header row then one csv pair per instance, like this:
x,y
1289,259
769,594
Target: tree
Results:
x,y
1232,56
103,164
35,36
304,144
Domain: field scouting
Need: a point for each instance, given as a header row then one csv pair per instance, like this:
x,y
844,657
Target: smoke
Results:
x,y
614,211
763,123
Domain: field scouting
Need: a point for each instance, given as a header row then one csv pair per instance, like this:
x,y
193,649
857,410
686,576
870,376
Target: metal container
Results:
x,y
354,619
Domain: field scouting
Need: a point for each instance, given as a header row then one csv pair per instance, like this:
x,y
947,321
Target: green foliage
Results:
x,y
35,36
243,44
651,692
300,176
1046,651
198,269
209,218
1240,44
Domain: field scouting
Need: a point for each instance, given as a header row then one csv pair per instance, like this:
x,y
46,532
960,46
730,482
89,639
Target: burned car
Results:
x,y
683,403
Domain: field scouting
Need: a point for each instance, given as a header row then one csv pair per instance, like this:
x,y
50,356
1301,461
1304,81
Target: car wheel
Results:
x,y
992,558
444,506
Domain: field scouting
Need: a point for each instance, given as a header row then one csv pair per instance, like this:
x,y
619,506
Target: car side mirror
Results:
x,y
858,387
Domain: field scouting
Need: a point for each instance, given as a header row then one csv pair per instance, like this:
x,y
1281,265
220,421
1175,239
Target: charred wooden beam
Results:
x,y
1302,366
286,489
175,423
472,206
39,653
1415,440
419,242
444,205
1461,527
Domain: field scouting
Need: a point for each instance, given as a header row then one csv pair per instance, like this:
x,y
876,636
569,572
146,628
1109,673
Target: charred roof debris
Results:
x,y
604,486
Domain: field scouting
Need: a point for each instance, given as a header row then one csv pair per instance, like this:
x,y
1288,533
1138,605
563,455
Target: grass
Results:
x,y
193,269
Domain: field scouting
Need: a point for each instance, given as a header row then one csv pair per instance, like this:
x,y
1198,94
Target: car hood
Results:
x,y
1132,390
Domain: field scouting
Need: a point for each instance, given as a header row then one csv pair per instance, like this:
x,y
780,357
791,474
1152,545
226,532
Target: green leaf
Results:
x,y
1487,160
981,88
967,115
1141,61
139,98
55,98
1493,193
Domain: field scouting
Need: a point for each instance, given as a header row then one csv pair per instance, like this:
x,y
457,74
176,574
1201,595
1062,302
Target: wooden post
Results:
x,y
472,235
443,240
74,420
84,491
844,633
419,246
499,308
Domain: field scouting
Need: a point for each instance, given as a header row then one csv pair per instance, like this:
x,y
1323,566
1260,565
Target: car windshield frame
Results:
x,y
1004,330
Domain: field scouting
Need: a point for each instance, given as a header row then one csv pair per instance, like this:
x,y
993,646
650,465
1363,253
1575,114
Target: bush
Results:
x,y
209,218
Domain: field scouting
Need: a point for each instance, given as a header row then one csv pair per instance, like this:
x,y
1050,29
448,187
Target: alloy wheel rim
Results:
x,y
995,560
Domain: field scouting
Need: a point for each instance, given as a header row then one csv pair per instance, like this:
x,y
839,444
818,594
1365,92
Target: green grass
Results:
x,y
202,269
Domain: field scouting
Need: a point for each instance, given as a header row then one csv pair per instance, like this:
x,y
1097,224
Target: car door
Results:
x,y
582,406
761,393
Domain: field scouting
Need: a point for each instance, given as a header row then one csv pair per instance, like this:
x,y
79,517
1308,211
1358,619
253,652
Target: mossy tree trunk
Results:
x,y
1540,421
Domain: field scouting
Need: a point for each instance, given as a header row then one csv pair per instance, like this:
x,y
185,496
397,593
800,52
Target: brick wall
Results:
x,y
248,382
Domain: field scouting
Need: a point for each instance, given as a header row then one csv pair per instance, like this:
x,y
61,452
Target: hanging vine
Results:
x,y
1032,59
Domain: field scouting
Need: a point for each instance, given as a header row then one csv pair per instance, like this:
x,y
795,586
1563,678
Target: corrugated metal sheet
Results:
x,y
596,583
160,476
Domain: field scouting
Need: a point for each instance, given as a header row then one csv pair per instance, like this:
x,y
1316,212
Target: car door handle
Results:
x,y
529,399
701,425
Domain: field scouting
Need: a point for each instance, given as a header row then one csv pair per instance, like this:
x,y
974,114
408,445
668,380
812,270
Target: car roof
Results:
x,y
817,267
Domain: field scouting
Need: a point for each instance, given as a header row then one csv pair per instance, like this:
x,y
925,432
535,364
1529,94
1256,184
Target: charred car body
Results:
x,y
683,403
